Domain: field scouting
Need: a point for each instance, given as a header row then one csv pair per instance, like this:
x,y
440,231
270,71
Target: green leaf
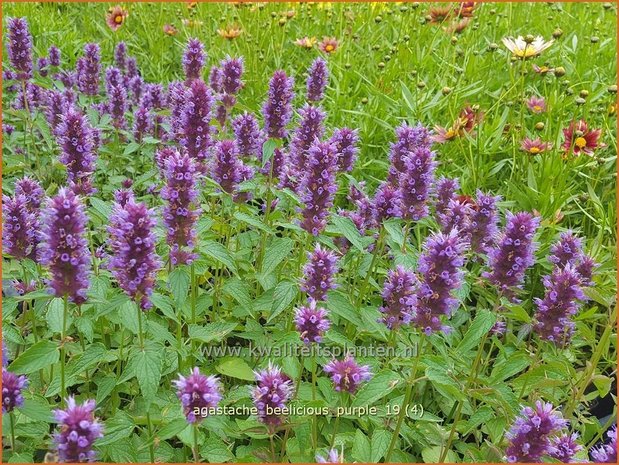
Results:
x,y
375,389
506,368
284,295
393,227
347,228
380,443
54,315
179,285
146,364
361,450
268,149
40,355
278,250
433,455
216,451
211,332
219,253
484,320
236,368
37,409
172,429
119,427
253,221
339,305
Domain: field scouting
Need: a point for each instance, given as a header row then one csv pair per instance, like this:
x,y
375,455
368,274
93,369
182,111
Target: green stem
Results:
x,y
63,336
12,422
140,330
315,418
151,447
377,251
194,449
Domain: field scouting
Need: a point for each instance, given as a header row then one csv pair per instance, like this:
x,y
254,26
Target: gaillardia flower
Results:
x,y
77,432
526,47
534,146
536,104
579,139
116,17
230,32
197,392
328,45
347,375
306,42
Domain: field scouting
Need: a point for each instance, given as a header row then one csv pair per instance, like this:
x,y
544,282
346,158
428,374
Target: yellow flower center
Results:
x,y
580,142
535,150
118,19
537,108
329,48
450,134
526,52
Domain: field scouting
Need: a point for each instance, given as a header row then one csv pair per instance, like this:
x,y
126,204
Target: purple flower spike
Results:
x,y
560,303
19,230
446,189
142,123
457,215
75,137
88,68
409,139
132,67
42,66
57,105
122,196
12,388
197,392
347,375
565,448
120,56
274,389
345,141
64,247
136,89
399,297
20,48
277,110
385,203
484,220
606,453
180,213
53,54
311,322
309,130
215,80
231,73
586,268
318,273
317,80
333,456
249,137
227,169
5,356
568,250
134,262
529,436
317,187
177,96
513,254
195,117
78,430
415,183
193,60
440,265
117,97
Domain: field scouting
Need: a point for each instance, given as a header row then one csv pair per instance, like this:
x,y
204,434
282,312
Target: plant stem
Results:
x,y
315,418
12,422
140,330
194,450
65,312
151,447
377,251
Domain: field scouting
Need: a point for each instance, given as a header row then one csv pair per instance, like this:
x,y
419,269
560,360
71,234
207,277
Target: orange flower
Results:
x,y
116,16
169,30
328,44
230,32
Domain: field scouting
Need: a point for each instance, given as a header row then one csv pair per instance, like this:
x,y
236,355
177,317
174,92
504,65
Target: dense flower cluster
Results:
x,y
64,246
273,391
318,273
277,110
347,375
409,138
248,135
78,431
134,262
19,228
20,48
197,391
310,128
228,169
484,222
607,453
345,141
12,388
317,80
311,322
193,60
88,69
194,118
399,298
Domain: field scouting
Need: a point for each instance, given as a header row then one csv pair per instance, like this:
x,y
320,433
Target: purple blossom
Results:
x,y
317,187
75,137
134,262
415,183
568,250
88,68
197,392
311,322
161,157
132,67
227,169
195,119
57,105
560,303
19,230
274,389
513,253
457,215
483,222
333,456
409,138
440,266
318,273
180,213
20,48
78,430
113,78
277,110
309,130
565,448
446,189
12,388
279,162
42,66
231,74
399,297
215,80
347,375
142,123
193,60
120,56
249,137
345,141
67,77
33,96
385,203
586,268
117,97
317,80
32,190
606,453
154,97
530,435
177,96
53,53
64,247
122,196
8,129
136,89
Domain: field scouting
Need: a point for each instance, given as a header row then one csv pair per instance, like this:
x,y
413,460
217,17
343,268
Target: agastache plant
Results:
x,y
415,184
196,392
19,228
180,213
445,190
277,110
227,168
347,375
88,68
345,141
12,390
77,432
193,60
317,80
248,135
311,322
484,221
409,138
274,389
134,261
309,130
64,247
194,121
20,48
399,297
606,453
319,273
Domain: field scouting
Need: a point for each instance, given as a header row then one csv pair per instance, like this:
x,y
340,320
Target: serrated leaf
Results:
x,y
253,221
146,364
211,332
219,253
179,285
216,451
361,449
283,296
40,355
380,443
484,320
347,228
236,368
376,388
276,252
